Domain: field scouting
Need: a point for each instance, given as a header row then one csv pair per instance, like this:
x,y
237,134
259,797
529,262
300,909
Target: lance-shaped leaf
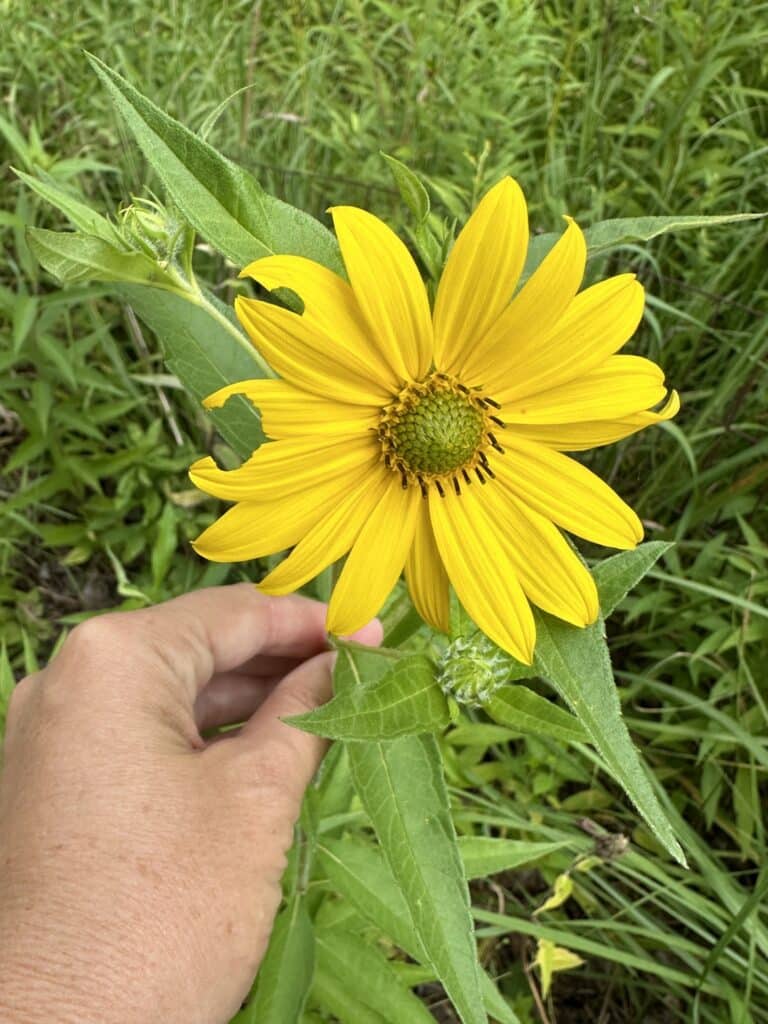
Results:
x,y
223,202
521,709
405,701
360,874
608,234
373,982
577,664
486,855
402,789
617,575
285,975
74,207
401,786
72,256
201,349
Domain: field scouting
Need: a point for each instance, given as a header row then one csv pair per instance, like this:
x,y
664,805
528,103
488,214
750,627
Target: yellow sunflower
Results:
x,y
433,440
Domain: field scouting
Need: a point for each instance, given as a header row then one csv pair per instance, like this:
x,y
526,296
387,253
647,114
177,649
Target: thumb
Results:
x,y
290,755
283,753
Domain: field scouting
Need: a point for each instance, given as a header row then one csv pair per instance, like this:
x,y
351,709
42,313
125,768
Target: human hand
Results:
x,y
139,865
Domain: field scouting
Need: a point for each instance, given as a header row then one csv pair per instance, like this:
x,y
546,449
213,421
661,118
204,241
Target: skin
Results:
x,y
139,864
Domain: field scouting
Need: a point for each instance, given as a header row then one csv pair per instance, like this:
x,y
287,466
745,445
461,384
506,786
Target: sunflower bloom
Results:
x,y
435,440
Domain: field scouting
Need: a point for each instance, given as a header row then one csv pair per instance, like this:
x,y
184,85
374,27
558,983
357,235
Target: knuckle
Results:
x,y
100,635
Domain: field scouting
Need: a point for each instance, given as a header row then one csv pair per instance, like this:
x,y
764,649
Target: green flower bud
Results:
x,y
152,228
471,669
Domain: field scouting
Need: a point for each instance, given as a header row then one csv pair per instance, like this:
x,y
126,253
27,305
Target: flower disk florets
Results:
x,y
439,433
435,429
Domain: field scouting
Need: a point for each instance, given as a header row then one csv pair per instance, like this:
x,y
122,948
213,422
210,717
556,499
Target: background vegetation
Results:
x,y
600,109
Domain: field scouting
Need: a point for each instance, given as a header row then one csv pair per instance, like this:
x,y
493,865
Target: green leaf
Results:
x,y
73,207
407,700
223,202
402,788
521,709
412,191
6,685
373,982
201,349
485,855
331,993
359,873
609,234
576,663
617,575
71,256
285,975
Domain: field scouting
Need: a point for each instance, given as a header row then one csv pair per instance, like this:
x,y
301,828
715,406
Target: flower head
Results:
x,y
435,440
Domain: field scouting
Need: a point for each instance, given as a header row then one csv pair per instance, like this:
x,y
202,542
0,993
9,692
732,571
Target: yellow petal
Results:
x,y
578,437
533,312
389,290
480,274
287,411
329,305
551,573
620,386
331,537
479,567
567,493
299,351
287,467
596,324
376,560
252,529
426,576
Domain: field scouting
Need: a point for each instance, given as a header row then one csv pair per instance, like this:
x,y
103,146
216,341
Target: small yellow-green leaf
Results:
x,y
561,890
550,959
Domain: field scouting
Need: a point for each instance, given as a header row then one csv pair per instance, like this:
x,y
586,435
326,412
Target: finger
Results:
x,y
232,697
293,755
371,634
186,641
268,665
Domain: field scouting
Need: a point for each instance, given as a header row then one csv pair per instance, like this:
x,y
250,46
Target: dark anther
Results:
x,y
463,389
497,421
490,472
491,401
404,478
456,486
479,475
423,487
495,443
467,477
439,487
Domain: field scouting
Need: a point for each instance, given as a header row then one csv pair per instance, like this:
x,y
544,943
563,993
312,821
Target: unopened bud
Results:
x,y
470,670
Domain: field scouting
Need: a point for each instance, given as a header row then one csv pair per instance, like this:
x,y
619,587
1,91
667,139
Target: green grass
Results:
x,y
599,109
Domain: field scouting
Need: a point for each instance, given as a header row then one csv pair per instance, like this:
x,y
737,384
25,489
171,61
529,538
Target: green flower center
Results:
x,y
438,431
439,434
